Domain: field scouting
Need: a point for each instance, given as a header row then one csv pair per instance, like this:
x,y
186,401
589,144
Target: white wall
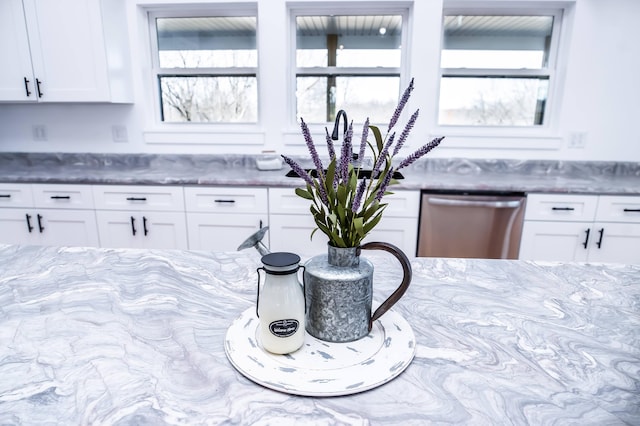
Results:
x,y
600,96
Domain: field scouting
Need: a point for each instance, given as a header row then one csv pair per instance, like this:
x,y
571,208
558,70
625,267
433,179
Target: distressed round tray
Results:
x,y
322,368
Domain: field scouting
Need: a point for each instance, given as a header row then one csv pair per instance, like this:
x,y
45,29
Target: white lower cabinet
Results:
x,y
291,223
141,216
222,218
581,228
47,214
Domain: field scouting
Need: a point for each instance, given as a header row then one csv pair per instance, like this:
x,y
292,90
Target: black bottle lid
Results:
x,y
281,261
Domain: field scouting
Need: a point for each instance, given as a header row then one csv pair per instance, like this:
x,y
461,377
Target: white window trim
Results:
x,y
405,9
223,135
540,137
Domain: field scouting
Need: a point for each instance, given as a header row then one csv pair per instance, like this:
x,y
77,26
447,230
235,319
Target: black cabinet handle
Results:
x,y
133,226
563,208
144,225
136,198
225,201
60,197
26,86
632,210
599,243
29,227
40,223
38,88
5,195
586,238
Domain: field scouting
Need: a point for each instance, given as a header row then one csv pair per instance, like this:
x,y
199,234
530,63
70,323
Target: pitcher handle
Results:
x,y
406,279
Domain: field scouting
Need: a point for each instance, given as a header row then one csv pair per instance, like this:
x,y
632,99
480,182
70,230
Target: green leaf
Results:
x,y
378,137
358,223
304,193
372,223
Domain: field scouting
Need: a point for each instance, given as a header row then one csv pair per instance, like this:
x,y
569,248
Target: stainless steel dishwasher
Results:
x,y
485,225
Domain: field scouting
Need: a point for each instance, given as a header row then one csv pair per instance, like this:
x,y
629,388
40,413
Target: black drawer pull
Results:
x,y
133,226
26,86
586,239
632,210
5,195
40,223
568,209
599,243
136,198
144,225
60,197
29,227
38,83
225,201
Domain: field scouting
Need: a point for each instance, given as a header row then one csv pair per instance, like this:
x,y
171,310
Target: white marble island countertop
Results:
x,y
131,337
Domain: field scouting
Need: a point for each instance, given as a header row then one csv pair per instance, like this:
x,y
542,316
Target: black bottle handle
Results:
x,y
599,243
586,239
26,86
40,223
133,226
144,225
29,227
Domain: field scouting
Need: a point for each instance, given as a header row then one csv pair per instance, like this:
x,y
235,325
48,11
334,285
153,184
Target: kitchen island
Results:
x,y
117,336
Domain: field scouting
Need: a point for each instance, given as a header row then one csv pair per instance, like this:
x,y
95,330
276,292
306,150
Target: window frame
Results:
x,y
294,10
156,71
551,71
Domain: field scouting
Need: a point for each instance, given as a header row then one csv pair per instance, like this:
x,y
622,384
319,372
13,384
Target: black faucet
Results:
x,y
334,135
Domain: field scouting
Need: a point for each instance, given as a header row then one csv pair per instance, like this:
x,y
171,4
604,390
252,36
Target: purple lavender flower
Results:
x,y
332,151
383,155
312,149
400,107
384,185
405,132
358,198
420,152
345,154
308,179
363,142
298,169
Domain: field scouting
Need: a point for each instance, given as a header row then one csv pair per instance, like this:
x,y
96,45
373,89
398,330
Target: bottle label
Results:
x,y
284,328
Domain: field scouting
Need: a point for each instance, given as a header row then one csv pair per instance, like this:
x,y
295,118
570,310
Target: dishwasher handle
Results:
x,y
498,204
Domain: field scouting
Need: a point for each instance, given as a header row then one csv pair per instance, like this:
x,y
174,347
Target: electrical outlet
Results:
x,y
577,140
119,133
39,132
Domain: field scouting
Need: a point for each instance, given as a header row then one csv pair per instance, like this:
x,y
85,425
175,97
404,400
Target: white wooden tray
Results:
x,y
322,368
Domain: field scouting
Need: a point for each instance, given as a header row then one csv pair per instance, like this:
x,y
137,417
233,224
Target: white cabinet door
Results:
x,y
222,232
292,233
17,227
555,241
162,230
76,228
49,227
615,242
16,73
402,232
64,51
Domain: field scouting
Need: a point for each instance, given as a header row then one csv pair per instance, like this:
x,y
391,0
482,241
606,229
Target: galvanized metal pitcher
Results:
x,y
338,290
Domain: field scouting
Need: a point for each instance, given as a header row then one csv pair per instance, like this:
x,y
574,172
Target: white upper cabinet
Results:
x,y
64,51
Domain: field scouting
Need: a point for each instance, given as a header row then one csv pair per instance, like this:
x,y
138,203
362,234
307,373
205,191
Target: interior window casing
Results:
x,y
546,75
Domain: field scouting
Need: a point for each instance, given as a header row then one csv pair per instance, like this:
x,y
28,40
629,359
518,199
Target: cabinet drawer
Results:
x,y
16,195
226,200
139,198
63,196
400,203
561,207
618,209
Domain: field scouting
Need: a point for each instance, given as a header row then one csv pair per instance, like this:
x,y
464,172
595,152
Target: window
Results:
x,y
349,62
206,68
497,69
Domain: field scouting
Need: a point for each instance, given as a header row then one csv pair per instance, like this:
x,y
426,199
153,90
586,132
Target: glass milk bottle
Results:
x,y
281,304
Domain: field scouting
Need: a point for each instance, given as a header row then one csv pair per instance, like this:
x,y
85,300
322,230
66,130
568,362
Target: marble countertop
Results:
x,y
240,170
119,336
